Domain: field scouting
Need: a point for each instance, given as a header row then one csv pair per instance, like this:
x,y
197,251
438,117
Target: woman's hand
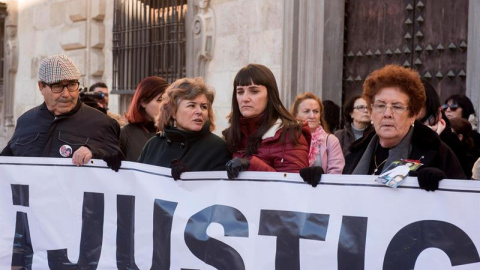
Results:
x,y
235,166
440,126
178,168
428,178
312,175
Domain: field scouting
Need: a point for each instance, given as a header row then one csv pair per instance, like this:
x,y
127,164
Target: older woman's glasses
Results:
x,y
361,108
58,87
453,107
381,107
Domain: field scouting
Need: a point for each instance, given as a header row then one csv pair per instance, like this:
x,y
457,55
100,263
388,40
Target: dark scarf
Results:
x,y
400,151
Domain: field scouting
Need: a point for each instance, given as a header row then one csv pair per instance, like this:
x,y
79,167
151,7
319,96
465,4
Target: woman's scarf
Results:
x,y
317,139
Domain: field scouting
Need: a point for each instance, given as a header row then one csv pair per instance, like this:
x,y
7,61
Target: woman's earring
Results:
x,y
175,123
413,124
371,122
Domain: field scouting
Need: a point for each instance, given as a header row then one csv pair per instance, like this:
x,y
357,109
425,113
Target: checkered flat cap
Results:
x,y
57,68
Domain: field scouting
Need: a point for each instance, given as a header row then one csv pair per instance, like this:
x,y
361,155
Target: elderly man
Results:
x,y
63,126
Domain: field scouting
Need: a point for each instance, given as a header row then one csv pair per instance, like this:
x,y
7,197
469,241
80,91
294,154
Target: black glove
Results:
x,y
236,165
428,178
114,160
312,175
178,168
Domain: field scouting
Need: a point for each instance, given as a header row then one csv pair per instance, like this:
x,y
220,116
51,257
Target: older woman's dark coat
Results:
x,y
425,143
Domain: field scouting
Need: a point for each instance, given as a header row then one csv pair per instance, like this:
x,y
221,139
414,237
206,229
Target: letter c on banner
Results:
x,y
210,250
411,240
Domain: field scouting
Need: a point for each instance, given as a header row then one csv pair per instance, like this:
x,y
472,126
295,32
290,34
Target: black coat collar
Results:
x,y
423,137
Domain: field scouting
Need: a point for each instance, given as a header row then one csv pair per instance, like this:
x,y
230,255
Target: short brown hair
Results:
x,y
405,79
184,89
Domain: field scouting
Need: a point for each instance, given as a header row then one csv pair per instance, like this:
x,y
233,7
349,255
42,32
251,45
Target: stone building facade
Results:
x,y
301,41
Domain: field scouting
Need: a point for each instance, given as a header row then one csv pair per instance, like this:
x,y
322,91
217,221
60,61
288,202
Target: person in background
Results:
x,y
432,116
463,129
186,121
101,87
395,95
62,126
263,135
357,123
461,106
476,170
331,115
141,115
325,150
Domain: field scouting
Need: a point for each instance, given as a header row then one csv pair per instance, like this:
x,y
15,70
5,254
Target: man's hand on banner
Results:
x,y
429,177
235,166
178,168
312,175
114,160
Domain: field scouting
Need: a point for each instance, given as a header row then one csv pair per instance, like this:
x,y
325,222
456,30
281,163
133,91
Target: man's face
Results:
x,y
103,102
63,102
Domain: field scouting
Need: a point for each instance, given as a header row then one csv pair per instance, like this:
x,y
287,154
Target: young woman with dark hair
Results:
x,y
461,106
263,135
432,116
144,108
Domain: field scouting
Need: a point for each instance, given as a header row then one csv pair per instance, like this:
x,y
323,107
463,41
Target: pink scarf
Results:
x,y
317,138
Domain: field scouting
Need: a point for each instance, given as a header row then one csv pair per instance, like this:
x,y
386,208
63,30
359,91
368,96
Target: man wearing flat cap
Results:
x,y
63,126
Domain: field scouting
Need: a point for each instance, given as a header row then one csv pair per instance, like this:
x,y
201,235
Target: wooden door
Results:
x,y
427,35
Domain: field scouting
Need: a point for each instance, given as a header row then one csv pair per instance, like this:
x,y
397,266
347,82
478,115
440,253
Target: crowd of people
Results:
x,y
398,117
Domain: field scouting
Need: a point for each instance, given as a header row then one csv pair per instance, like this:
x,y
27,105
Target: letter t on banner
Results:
x,y
289,227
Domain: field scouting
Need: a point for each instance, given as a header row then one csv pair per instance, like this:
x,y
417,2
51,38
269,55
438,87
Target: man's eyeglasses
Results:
x,y
453,107
381,107
361,108
58,87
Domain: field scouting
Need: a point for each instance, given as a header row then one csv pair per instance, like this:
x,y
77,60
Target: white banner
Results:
x,y
54,215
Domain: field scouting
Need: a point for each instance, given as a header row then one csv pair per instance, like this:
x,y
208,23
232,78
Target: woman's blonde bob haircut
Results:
x,y
184,89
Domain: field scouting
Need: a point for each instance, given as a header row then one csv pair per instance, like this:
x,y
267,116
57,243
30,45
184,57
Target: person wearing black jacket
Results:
x,y
185,141
63,126
395,96
432,116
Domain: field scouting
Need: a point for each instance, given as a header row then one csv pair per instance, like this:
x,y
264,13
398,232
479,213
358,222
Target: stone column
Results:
x,y
10,64
200,37
84,38
313,49
473,55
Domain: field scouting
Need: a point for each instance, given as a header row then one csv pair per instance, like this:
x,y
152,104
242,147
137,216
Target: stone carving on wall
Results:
x,y
10,64
203,36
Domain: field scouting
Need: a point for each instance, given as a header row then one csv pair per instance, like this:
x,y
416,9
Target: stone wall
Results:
x,y
248,31
82,29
